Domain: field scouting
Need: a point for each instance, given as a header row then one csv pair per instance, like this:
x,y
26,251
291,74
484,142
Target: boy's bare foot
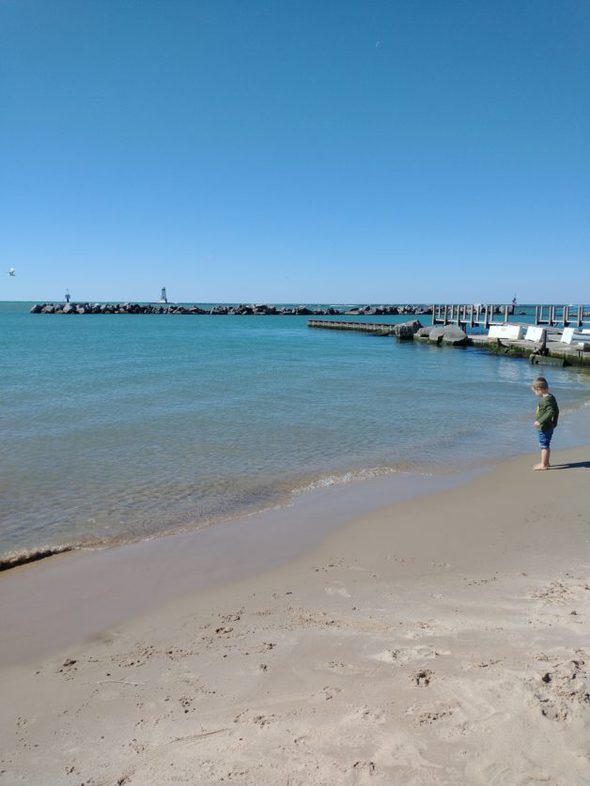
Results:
x,y
540,466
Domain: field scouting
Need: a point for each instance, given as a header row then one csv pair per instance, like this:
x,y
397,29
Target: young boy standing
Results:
x,y
547,415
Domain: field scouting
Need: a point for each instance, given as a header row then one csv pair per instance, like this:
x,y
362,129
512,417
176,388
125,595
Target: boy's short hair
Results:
x,y
541,384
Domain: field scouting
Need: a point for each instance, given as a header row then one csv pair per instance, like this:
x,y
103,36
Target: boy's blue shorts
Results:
x,y
545,438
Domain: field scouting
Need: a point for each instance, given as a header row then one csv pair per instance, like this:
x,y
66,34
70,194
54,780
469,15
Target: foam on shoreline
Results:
x,y
33,555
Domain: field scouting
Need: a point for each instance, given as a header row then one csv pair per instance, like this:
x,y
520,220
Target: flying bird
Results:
x,y
11,272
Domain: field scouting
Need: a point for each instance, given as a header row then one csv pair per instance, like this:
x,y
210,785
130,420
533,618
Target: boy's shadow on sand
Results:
x,y
573,465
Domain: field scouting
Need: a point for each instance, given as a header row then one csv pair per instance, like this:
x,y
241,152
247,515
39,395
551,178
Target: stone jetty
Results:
x,y
552,351
224,309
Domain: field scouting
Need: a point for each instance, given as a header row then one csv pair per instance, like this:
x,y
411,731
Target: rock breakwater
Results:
x,y
224,310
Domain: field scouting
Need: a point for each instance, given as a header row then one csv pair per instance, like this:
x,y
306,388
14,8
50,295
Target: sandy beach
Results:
x,y
440,640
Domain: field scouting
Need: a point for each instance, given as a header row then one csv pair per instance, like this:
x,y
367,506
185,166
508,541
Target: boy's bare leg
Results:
x,y
545,454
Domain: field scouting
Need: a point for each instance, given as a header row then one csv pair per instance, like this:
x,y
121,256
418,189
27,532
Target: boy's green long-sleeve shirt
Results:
x,y
547,412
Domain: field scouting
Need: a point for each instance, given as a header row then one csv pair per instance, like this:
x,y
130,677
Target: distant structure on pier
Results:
x,y
163,296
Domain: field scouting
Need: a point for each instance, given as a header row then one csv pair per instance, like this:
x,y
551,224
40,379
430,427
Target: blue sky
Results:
x,y
310,151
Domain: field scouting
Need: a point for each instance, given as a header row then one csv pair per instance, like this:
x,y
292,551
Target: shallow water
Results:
x,y
117,428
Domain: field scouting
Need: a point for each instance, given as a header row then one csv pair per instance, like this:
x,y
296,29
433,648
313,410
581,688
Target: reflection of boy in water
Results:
x,y
547,415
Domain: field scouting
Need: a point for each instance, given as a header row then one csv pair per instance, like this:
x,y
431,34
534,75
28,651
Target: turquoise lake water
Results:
x,y
117,428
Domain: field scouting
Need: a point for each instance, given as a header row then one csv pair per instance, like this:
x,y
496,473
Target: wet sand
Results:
x,y
46,605
440,640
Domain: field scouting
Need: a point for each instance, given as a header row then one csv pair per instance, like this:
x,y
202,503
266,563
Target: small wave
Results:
x,y
33,555
573,407
348,477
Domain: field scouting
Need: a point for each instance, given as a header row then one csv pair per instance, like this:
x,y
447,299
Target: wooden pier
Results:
x,y
471,316
566,316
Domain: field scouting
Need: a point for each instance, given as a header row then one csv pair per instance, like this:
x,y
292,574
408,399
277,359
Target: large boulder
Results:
x,y
406,330
451,335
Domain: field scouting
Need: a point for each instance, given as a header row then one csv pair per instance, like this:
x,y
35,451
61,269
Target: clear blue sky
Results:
x,y
295,150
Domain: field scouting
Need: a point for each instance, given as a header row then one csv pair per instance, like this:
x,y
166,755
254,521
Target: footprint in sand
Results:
x,y
430,717
342,591
555,593
329,693
367,767
423,678
409,654
564,689
366,714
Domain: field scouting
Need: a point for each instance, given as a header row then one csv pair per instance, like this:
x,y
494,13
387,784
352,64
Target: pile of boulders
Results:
x,y
450,335
113,308
222,310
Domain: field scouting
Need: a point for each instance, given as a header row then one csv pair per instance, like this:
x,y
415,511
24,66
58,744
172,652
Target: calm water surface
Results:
x,y
120,427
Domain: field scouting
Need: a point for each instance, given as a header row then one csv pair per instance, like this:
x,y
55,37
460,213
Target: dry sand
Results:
x,y
441,640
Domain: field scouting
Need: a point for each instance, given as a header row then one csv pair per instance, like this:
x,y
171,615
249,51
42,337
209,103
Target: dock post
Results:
x,y
505,313
445,320
580,316
566,316
536,315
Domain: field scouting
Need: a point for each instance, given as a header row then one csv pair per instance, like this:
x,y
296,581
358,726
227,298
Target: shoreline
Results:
x,y
226,549
184,562
429,641
17,558
574,431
